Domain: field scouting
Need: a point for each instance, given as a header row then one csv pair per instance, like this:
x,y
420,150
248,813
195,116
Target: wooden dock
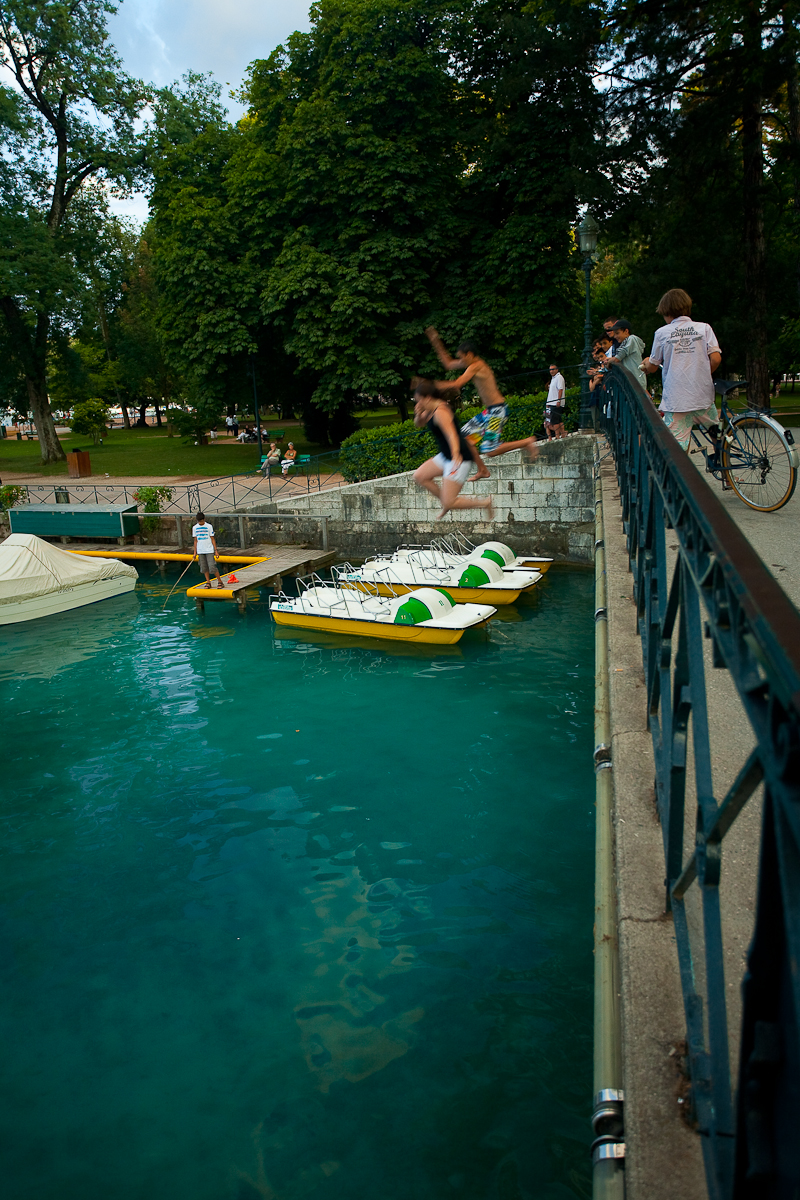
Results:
x,y
263,565
268,572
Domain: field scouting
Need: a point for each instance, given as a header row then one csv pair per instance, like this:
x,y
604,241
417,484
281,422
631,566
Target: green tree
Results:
x,y
63,69
528,124
708,98
90,419
203,414
387,173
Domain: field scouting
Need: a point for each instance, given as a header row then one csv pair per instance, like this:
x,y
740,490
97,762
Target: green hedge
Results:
x,y
389,449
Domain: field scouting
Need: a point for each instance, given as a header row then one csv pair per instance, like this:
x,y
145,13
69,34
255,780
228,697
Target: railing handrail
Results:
x,y
762,597
755,633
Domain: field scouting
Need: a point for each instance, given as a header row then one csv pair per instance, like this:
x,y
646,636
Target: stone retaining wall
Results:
x,y
547,507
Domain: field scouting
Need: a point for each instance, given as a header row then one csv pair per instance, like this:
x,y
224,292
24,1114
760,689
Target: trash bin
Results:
x,y
78,464
62,496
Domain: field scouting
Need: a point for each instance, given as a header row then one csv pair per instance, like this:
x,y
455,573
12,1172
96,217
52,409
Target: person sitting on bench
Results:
x,y
288,459
272,459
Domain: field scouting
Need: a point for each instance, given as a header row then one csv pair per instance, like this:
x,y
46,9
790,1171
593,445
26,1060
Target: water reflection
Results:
x,y
64,639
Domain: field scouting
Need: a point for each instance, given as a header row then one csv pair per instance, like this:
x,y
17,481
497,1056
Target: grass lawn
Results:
x,y
150,452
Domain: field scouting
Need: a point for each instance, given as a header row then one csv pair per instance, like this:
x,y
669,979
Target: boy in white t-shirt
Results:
x,y
554,405
205,549
687,352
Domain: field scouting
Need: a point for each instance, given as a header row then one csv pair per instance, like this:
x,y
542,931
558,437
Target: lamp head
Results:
x,y
587,234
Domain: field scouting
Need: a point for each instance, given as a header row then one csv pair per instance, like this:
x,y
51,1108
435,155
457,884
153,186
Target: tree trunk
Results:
x,y
31,354
755,250
158,414
142,420
126,421
51,448
402,410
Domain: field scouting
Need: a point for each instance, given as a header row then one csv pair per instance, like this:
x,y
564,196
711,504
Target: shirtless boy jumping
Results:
x,y
486,427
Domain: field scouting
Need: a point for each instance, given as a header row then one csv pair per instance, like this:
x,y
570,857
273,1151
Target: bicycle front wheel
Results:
x,y
759,464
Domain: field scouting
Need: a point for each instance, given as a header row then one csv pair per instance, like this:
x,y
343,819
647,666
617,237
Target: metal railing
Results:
x,y
720,587
208,495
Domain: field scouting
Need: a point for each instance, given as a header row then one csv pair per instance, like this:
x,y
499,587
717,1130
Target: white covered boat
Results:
x,y
456,550
426,615
38,579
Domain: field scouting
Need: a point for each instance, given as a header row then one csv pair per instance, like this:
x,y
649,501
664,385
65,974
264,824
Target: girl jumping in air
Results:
x,y
454,461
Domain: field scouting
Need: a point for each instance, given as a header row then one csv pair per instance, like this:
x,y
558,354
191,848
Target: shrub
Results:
x,y
11,495
389,449
89,418
151,498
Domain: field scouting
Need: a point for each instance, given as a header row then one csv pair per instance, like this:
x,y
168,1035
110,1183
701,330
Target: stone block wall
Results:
x,y
544,507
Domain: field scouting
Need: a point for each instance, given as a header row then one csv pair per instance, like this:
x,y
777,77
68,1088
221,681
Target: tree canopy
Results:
x,y
399,165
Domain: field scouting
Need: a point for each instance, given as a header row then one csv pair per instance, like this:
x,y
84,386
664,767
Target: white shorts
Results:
x,y
459,474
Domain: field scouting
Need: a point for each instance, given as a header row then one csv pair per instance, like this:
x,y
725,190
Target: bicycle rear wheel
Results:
x,y
759,464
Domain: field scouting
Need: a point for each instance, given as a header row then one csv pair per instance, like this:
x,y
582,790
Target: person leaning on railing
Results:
x,y
597,385
688,353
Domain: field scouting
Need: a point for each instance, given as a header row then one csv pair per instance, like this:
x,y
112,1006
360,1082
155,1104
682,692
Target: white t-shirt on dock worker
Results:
x,y
681,349
557,385
204,534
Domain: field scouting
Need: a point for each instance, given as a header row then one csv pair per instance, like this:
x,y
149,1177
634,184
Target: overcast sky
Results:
x,y
160,39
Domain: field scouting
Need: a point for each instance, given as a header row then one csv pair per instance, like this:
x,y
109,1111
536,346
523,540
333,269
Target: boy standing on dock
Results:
x,y
205,549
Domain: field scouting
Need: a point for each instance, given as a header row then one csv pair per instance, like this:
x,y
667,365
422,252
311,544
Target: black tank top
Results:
x,y
443,442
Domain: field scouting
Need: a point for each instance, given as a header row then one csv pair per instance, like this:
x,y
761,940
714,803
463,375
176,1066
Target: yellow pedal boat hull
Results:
x,y
478,595
534,564
372,629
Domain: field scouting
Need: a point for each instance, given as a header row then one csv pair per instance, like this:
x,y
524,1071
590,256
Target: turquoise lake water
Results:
x,y
292,917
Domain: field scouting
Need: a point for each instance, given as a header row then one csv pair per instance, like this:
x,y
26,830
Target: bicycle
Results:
x,y
753,454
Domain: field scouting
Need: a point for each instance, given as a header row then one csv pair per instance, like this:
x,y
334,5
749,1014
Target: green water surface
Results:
x,y
288,917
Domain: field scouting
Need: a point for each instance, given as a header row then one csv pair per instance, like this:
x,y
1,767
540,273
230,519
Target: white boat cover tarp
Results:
x,y
31,567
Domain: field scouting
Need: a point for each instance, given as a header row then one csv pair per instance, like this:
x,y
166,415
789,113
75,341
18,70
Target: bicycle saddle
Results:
x,y
723,386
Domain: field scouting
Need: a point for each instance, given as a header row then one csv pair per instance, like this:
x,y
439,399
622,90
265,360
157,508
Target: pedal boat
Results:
x,y
424,616
473,582
456,551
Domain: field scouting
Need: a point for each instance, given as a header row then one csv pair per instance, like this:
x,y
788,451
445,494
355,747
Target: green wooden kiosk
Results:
x,y
76,520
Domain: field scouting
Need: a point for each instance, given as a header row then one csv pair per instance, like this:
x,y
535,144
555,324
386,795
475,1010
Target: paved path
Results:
x,y
776,536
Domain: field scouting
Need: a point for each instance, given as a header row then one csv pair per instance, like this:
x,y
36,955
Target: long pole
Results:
x,y
587,345
255,406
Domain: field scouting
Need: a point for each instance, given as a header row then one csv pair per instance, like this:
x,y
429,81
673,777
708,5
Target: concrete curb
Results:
x,y
663,1155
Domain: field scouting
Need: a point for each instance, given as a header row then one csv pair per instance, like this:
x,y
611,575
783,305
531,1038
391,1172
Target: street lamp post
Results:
x,y
255,406
587,240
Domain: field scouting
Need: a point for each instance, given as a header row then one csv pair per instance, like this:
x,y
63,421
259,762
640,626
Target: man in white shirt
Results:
x,y
554,405
205,548
687,352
